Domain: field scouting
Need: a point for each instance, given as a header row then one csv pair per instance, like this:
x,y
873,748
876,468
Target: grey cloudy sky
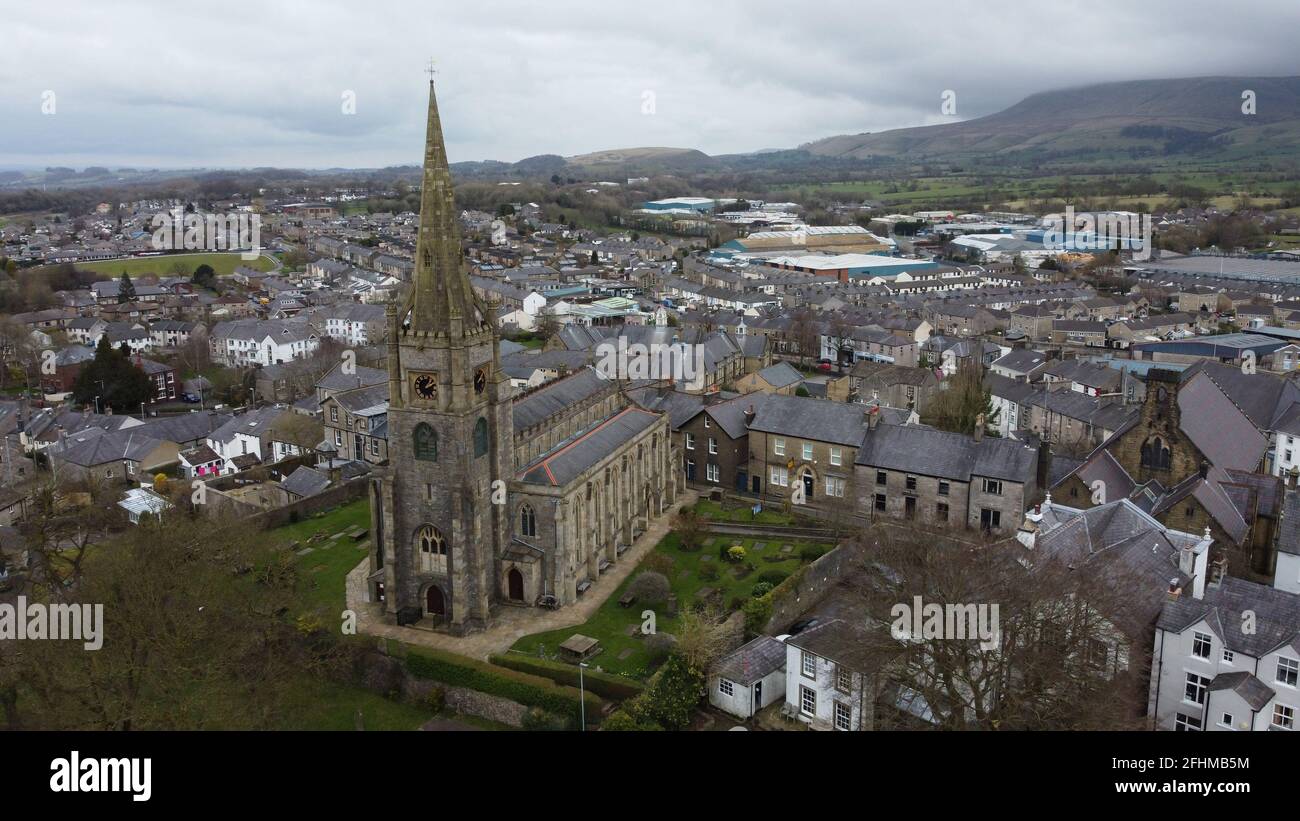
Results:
x,y
239,84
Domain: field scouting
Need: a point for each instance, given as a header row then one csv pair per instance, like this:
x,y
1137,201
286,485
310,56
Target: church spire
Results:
x,y
442,301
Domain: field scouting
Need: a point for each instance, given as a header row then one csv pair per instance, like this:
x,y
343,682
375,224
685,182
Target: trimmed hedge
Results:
x,y
605,685
528,690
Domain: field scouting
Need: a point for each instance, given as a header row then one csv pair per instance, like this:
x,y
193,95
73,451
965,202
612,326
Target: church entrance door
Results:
x,y
434,604
515,580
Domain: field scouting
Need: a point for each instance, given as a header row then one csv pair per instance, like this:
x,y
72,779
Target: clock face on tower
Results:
x,y
425,386
480,379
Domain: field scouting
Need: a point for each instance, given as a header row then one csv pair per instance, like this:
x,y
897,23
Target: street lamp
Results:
x,y
582,698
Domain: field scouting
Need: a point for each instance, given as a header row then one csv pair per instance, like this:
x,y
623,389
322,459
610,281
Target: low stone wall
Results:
x,y
465,701
793,597
349,491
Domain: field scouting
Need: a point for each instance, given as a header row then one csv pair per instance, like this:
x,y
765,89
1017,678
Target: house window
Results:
x,y
713,445
944,488
993,487
1283,717
941,512
807,451
1228,656
1226,720
807,701
881,477
809,665
880,502
1201,645
990,519
843,679
712,472
706,427
834,487
726,687
1187,724
334,413
837,456
911,483
780,477
1287,670
1194,690
690,441
843,716
778,446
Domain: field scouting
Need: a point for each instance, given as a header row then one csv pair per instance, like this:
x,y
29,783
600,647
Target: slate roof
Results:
x,y
1022,360
932,452
337,380
569,460
838,641
1277,615
305,482
1288,540
1252,691
1217,426
753,661
813,419
556,396
780,375
94,447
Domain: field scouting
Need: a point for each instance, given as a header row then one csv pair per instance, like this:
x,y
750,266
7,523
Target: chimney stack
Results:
x,y
873,417
749,415
979,428
1174,590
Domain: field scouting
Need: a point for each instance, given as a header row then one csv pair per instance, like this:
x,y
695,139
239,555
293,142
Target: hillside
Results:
x,y
1137,118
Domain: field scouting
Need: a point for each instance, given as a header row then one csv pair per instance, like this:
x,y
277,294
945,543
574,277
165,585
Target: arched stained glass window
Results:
x,y
426,443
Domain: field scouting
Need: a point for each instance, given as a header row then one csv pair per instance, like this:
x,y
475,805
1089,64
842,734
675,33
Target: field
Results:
x,y
223,263
618,628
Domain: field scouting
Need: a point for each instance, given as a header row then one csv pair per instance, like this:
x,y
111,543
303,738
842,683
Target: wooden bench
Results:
x,y
628,600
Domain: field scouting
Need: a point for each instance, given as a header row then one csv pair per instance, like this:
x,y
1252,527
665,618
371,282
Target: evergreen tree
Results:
x,y
112,378
125,289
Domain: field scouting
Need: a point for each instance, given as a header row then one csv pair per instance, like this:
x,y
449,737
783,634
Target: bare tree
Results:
x,y
1067,649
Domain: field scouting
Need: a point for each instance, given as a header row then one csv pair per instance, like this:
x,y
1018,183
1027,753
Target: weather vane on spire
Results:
x,y
431,71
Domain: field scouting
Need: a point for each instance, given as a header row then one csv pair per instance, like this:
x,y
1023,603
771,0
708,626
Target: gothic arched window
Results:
x,y
426,443
480,437
433,550
1155,454
527,521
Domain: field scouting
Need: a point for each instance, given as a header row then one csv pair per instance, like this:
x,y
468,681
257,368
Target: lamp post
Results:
x,y
582,697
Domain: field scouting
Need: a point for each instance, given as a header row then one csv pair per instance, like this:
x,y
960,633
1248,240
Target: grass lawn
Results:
x,y
223,264
611,623
324,571
743,515
317,704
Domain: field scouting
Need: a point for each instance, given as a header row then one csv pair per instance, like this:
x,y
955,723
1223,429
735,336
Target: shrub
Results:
x,y
674,693
650,587
658,562
436,699
757,611
605,685
539,720
762,589
660,646
528,690
811,553
736,553
772,578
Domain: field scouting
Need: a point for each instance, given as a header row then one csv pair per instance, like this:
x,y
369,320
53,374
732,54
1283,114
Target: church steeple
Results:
x,y
442,303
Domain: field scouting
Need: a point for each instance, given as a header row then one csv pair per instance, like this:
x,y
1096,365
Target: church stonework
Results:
x,y
438,534
492,500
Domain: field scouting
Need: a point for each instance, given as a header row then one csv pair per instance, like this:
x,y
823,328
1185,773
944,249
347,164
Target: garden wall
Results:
x,y
795,595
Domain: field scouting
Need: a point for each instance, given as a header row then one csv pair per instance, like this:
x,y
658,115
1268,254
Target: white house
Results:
x,y
242,436
256,342
1227,656
823,687
750,678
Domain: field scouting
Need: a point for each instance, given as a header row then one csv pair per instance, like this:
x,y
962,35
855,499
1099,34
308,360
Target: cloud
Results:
x,y
262,83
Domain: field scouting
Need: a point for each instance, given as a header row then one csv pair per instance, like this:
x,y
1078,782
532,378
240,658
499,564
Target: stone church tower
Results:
x,y
439,517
